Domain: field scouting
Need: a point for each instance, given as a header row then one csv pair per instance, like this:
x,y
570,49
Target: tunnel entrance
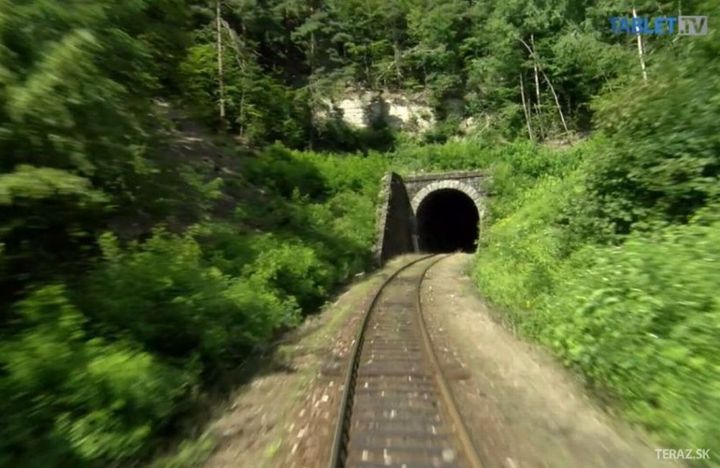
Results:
x,y
447,221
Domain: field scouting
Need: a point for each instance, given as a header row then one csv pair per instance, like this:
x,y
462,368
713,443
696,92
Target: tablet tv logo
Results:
x,y
660,25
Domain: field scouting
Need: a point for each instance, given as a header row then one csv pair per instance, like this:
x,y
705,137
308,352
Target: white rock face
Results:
x,y
360,109
353,111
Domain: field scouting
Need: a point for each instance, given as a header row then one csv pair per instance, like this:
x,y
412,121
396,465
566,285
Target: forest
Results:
x,y
176,192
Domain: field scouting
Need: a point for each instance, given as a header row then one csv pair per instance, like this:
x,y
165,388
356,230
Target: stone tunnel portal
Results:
x,y
439,212
447,221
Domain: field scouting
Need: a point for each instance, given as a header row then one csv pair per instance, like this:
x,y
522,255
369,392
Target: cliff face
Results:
x,y
362,109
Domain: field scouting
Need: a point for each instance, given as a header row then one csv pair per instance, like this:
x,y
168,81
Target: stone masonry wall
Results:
x,y
401,197
395,220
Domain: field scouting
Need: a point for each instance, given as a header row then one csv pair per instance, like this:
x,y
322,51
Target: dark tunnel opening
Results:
x,y
447,221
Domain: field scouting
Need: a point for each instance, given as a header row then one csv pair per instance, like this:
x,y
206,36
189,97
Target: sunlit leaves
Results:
x,y
102,399
29,183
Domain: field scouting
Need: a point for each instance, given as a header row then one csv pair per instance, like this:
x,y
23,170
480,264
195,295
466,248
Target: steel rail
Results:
x,y
461,428
337,457
342,430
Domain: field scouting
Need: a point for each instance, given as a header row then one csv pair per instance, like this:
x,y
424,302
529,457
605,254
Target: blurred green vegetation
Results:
x,y
100,362
143,257
609,252
136,268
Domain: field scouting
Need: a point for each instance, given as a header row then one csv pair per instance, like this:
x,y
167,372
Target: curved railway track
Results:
x,y
396,409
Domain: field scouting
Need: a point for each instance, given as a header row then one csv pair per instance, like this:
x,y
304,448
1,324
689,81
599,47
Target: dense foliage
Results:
x,y
287,60
96,365
610,255
142,256
131,273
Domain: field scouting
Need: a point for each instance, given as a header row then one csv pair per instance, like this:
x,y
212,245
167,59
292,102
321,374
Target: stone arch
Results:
x,y
468,190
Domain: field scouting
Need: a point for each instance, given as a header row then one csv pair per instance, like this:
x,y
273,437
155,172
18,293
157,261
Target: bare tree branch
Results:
x,y
536,60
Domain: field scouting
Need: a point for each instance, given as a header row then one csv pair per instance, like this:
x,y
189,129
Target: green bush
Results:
x,y
259,107
661,159
453,155
518,256
276,167
67,396
94,374
637,314
352,221
180,306
290,269
348,173
47,220
643,323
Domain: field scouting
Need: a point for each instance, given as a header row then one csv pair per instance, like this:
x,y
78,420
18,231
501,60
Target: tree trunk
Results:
x,y
235,44
525,108
311,86
557,102
221,84
535,68
538,111
366,61
398,56
536,63
641,52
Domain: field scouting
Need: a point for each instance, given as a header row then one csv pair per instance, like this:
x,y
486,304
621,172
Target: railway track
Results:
x,y
396,409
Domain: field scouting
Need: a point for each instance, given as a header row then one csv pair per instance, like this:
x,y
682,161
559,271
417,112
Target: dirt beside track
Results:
x,y
285,417
521,407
